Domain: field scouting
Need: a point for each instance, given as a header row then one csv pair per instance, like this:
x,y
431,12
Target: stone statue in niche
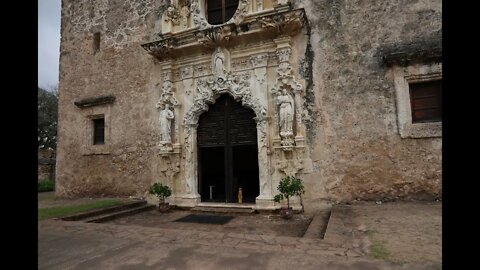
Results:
x,y
185,14
286,109
219,63
165,120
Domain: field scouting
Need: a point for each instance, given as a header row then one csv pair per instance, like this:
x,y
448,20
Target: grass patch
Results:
x,y
46,185
49,198
60,211
378,251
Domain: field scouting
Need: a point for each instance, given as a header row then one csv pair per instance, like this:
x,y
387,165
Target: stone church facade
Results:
x,y
212,96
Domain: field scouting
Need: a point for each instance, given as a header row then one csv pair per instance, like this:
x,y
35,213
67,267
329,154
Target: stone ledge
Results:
x,y
404,58
422,50
93,101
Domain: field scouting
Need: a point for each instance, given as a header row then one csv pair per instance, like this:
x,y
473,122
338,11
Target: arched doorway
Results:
x,y
227,152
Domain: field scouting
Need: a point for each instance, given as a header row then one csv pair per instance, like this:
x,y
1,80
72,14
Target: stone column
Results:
x,y
265,199
191,197
300,129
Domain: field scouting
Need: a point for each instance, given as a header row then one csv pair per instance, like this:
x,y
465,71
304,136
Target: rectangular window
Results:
x,y
426,101
96,42
99,131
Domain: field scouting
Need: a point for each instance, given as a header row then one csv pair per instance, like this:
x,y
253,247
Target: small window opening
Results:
x,y
426,101
96,42
99,131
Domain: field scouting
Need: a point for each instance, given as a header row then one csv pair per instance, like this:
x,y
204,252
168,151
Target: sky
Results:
x,y
48,42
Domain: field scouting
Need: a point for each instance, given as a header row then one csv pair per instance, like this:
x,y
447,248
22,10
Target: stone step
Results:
x,y
223,210
117,214
318,225
97,212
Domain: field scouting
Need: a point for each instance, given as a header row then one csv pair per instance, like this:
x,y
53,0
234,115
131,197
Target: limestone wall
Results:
x,y
352,136
358,152
120,68
46,164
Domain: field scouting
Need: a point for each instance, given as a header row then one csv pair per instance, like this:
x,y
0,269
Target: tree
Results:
x,y
47,118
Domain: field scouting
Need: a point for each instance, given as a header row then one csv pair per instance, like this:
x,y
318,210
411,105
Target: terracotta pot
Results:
x,y
163,207
286,213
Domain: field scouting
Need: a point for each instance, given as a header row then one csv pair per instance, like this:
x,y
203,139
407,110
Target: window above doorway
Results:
x,y
220,11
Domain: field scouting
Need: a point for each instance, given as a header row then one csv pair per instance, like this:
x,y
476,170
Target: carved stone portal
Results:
x,y
208,89
250,58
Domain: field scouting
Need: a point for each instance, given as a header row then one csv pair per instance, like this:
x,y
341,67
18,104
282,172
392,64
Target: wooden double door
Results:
x,y
227,152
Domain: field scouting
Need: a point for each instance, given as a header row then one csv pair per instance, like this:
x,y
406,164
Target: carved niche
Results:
x,y
285,90
167,102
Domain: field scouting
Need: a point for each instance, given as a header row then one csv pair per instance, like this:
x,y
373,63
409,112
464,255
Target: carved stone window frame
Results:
x,y
91,113
403,77
199,12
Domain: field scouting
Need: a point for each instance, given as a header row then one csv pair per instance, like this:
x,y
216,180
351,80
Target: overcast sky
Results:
x,y
48,42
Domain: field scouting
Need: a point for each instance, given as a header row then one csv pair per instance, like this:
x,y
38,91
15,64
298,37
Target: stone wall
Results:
x,y
358,152
352,133
46,164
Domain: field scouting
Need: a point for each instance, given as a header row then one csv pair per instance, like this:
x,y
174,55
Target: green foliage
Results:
x,y
289,186
60,211
160,190
379,251
47,118
46,185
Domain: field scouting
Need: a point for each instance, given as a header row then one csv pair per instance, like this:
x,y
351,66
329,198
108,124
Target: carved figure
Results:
x,y
165,120
185,13
219,62
285,102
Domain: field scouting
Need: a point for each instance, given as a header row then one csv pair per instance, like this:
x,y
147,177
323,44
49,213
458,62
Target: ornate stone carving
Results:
x,y
168,95
186,76
284,88
284,23
259,5
218,63
259,62
160,49
215,37
242,10
178,15
170,166
202,70
165,121
286,107
209,89
198,20
184,15
172,15
241,64
284,55
189,156
283,2
186,72
290,166
167,99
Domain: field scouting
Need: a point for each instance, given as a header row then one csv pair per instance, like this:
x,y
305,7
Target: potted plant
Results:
x,y
162,192
289,186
